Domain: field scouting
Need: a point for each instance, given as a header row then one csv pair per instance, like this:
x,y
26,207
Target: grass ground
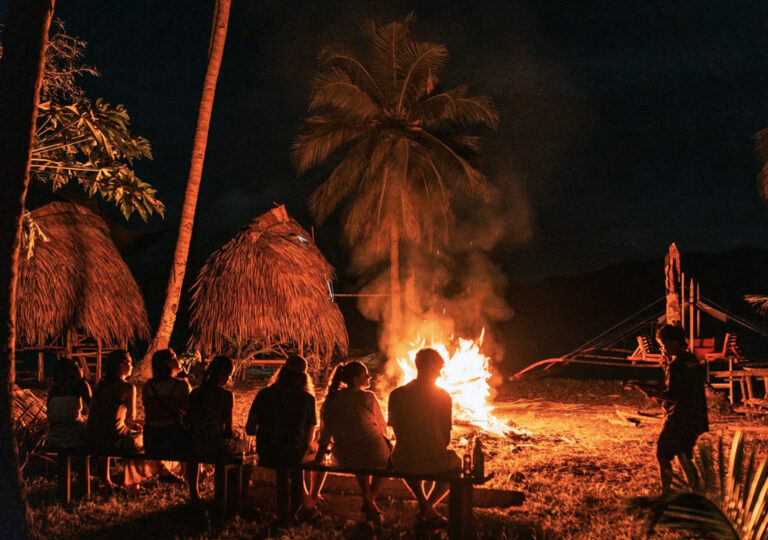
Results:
x,y
575,459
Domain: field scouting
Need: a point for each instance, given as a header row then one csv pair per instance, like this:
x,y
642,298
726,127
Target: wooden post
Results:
x,y
460,524
87,475
98,359
692,316
682,299
64,462
220,489
40,367
235,485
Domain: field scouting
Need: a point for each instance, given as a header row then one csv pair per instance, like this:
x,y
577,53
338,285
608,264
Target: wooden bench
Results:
x,y
726,379
644,352
229,480
460,524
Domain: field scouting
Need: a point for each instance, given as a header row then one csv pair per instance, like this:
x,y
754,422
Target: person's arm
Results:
x,y
446,419
311,424
85,392
381,423
253,417
130,414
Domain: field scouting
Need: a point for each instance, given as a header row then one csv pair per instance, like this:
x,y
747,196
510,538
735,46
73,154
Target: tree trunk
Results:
x,y
396,316
176,279
21,72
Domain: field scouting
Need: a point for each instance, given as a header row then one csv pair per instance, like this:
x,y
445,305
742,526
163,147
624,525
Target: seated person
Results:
x,y
210,410
352,419
111,420
420,415
166,399
66,423
283,418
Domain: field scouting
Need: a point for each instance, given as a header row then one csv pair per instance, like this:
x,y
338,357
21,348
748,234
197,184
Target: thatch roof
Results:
x,y
77,280
269,284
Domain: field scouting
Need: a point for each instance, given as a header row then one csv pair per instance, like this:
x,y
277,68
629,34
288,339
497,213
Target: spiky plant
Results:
x,y
712,498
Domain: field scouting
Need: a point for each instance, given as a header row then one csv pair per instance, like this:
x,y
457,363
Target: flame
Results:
x,y
466,377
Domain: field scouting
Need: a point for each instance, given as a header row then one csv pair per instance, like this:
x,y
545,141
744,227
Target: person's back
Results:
x,y
107,414
283,414
420,415
66,398
164,401
210,413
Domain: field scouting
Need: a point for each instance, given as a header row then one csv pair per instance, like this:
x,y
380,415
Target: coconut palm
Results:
x,y
180,254
717,496
21,73
395,142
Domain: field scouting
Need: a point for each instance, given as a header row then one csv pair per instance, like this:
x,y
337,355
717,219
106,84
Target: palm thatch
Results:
x,y
268,286
75,279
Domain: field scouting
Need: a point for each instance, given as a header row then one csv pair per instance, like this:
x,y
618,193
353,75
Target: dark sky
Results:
x,y
624,125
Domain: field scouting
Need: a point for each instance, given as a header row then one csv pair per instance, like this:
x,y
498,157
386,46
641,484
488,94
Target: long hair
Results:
x,y
288,377
110,369
220,365
161,364
343,375
66,370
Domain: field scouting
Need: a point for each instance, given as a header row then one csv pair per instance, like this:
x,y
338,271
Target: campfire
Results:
x,y
466,377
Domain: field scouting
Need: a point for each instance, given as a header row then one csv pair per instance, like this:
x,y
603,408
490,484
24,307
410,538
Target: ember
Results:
x,y
465,377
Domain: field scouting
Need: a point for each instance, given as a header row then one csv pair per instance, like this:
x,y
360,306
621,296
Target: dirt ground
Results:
x,y
572,455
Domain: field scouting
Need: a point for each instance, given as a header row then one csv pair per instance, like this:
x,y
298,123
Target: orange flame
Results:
x,y
465,377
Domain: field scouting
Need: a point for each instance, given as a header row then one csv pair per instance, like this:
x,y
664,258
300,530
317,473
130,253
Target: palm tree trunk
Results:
x,y
396,318
176,279
21,72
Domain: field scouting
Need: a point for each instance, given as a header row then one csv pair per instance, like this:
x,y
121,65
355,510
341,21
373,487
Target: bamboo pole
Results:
x,y
692,315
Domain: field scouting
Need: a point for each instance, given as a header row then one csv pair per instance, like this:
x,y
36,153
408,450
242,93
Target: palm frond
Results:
x,y
335,89
417,60
714,499
454,107
758,301
341,182
321,136
351,65
386,42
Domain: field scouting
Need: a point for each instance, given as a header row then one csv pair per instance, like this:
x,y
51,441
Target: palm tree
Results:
x,y
718,496
21,69
176,279
395,142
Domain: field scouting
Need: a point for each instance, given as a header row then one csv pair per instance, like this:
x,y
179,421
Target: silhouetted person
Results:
x,y
166,400
210,415
353,421
66,399
111,419
683,399
283,418
420,414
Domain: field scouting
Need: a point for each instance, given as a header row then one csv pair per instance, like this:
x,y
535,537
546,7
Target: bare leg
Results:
x,y
376,483
665,474
438,493
417,488
364,482
316,482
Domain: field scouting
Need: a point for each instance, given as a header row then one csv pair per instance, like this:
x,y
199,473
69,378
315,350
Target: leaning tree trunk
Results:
x,y
21,73
176,279
396,312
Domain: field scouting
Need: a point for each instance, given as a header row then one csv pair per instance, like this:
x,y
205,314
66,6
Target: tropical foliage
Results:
x,y
83,141
717,496
394,139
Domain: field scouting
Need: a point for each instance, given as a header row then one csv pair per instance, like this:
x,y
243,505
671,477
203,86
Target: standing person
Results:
x,y
353,421
66,399
420,414
683,399
283,418
111,419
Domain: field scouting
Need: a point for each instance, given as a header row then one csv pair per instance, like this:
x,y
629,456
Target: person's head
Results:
x,y
352,374
117,365
66,369
165,364
429,364
293,372
671,339
218,372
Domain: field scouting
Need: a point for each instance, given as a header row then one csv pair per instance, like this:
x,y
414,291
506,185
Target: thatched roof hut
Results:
x,y
268,286
76,280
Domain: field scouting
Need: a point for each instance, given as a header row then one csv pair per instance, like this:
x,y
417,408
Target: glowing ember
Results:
x,y
465,377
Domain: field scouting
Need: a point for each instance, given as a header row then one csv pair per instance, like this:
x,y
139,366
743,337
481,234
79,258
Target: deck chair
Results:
x,y
644,352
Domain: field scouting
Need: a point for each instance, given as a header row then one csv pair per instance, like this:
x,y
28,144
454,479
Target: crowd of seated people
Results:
x,y
282,417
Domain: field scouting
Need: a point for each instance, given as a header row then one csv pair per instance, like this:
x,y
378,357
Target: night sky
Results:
x,y
624,125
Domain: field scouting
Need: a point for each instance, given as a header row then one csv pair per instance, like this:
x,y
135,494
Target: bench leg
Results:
x,y
87,475
64,462
460,524
235,485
